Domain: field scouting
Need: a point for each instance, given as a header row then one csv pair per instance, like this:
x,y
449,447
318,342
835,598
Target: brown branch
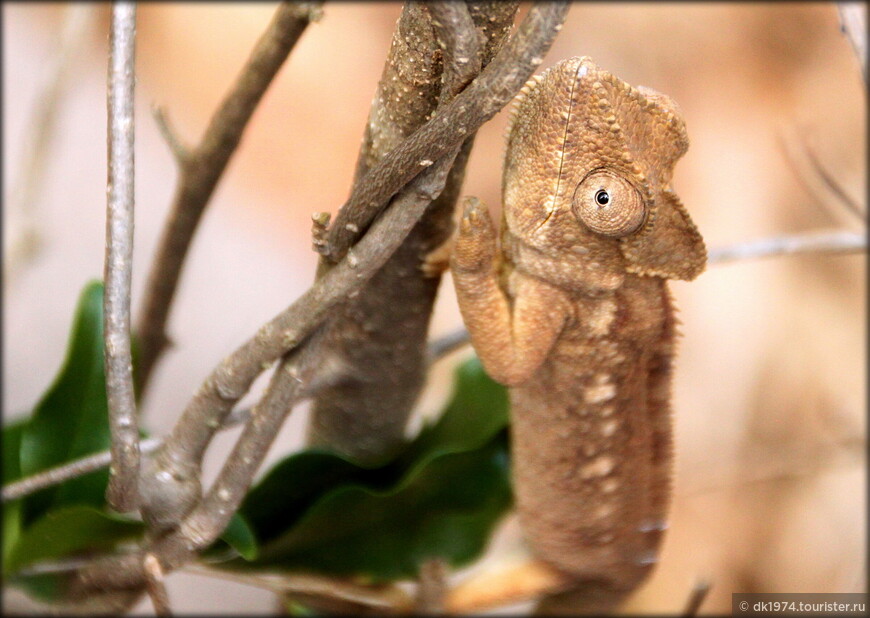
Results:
x,y
836,242
155,587
378,339
853,23
202,167
122,492
493,89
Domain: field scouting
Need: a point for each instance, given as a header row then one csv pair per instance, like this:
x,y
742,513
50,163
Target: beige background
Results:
x,y
769,394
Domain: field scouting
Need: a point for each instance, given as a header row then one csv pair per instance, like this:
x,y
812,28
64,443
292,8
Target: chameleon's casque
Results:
x,y
571,310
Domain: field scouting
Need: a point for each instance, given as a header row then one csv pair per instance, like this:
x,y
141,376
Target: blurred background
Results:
x,y
770,391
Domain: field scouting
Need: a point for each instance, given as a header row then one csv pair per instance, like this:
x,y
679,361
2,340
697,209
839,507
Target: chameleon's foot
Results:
x,y
474,248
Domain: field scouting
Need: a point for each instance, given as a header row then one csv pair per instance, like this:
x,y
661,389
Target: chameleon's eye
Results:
x,y
608,204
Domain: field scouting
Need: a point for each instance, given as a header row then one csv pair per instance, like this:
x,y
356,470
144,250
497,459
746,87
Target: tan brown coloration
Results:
x,y
572,311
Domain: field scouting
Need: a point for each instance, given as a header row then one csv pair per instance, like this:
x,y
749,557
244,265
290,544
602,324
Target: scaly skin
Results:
x,y
571,310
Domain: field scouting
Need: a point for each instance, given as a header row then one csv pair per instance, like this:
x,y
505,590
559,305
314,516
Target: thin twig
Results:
x,y
65,472
122,492
179,149
801,178
696,598
832,184
202,168
446,344
386,597
155,587
481,100
836,242
853,23
92,463
34,156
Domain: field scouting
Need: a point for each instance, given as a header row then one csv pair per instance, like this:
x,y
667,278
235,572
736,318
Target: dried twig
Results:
x,y
835,242
853,22
202,167
486,95
124,472
34,156
155,587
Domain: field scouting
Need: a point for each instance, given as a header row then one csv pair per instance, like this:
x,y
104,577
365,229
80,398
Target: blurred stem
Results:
x,y
24,238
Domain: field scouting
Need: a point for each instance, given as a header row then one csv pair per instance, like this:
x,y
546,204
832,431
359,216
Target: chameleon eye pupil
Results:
x,y
602,198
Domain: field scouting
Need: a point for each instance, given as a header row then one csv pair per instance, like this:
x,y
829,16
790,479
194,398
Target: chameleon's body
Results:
x,y
573,313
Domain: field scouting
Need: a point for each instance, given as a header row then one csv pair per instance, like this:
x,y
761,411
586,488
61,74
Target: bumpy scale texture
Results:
x,y
571,310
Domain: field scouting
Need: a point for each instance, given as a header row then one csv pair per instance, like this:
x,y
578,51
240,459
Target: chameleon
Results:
x,y
569,307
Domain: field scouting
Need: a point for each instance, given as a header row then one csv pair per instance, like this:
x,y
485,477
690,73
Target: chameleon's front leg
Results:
x,y
512,336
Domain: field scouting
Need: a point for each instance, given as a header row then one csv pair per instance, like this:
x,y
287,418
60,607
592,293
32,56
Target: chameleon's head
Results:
x,y
588,169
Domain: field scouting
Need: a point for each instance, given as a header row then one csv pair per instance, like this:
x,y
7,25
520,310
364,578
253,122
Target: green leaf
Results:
x,y
67,531
239,536
439,497
71,419
445,511
11,445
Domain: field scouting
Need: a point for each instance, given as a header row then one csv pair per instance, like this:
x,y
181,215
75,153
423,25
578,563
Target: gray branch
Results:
x,y
122,492
815,242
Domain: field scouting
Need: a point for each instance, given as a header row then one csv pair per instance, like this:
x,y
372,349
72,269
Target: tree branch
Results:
x,y
202,167
379,338
814,242
208,517
122,492
92,463
171,481
493,89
